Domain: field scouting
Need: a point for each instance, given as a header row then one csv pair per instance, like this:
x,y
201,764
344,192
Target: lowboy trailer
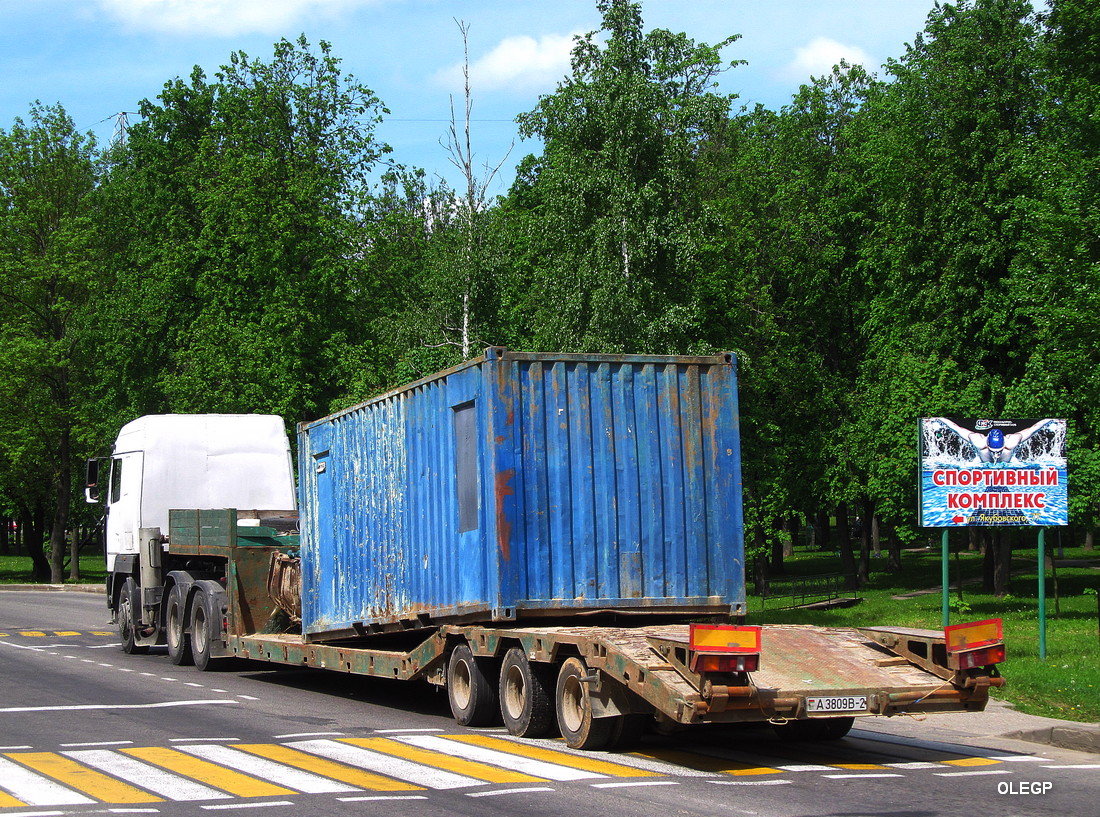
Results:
x,y
554,539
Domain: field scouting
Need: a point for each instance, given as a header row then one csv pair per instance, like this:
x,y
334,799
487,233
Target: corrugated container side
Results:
x,y
522,484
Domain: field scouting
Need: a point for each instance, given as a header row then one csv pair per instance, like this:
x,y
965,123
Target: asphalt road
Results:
x,y
86,729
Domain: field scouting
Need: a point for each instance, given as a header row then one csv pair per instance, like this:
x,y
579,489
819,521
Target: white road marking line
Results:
x,y
916,764
82,707
860,774
1017,758
752,782
248,697
498,792
202,740
14,748
386,764
36,790
268,770
147,776
405,731
1075,766
375,797
506,760
311,735
972,774
635,784
249,805
100,743
805,767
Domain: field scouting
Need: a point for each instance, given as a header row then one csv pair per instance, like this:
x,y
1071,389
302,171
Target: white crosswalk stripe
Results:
x,y
536,768
268,770
159,781
379,763
36,790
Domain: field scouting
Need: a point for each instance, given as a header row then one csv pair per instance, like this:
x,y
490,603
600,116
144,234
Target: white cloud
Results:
x,y
222,17
820,55
522,64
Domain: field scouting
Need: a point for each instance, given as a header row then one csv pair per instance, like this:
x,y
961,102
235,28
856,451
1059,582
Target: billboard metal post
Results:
x,y
1042,595
945,573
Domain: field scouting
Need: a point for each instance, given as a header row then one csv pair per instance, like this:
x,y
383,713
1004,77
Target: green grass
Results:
x,y
1066,685
17,570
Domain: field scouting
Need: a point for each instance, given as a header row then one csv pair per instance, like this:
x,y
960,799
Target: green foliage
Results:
x,y
616,227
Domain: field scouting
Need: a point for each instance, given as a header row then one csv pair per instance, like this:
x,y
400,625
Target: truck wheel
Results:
x,y
127,603
179,642
205,628
471,691
525,700
816,729
578,727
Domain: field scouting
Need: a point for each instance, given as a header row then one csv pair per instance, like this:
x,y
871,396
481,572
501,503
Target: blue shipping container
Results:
x,y
524,484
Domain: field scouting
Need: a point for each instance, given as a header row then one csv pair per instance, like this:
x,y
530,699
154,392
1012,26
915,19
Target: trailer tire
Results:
x,y
128,601
525,701
205,629
574,703
175,614
816,729
626,731
471,691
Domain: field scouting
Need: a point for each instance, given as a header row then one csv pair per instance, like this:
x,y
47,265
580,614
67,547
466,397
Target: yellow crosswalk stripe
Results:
x,y
326,767
972,761
80,777
553,756
33,634
855,767
219,777
706,763
7,800
65,632
448,763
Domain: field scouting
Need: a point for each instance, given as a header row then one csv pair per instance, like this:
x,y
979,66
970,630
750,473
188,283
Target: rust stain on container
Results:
x,y
502,488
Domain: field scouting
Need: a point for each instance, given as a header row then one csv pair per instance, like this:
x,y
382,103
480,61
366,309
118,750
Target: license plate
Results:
x,y
834,704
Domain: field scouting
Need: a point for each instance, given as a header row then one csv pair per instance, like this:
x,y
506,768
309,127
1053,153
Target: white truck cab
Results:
x,y
203,461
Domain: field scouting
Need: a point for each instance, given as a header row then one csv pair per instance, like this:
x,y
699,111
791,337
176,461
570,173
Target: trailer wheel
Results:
x,y
205,626
626,731
179,642
127,602
578,727
816,729
471,691
525,701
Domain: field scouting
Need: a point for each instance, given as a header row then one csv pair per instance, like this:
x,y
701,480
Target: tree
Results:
x,y
50,282
245,202
616,221
949,162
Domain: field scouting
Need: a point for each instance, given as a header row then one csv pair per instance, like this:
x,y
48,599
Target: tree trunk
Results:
x,y
893,560
866,512
31,526
1002,563
63,492
760,563
847,557
821,530
988,561
775,566
4,533
1088,539
876,536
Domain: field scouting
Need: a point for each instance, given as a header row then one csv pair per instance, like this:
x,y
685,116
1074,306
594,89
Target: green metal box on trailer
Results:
x,y
521,485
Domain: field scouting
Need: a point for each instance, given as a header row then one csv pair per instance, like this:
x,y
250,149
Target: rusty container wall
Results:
x,y
524,484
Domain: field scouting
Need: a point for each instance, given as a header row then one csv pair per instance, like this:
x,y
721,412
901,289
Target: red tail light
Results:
x,y
724,648
978,644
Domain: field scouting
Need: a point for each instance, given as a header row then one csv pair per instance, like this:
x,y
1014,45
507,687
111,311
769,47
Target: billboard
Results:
x,y
992,472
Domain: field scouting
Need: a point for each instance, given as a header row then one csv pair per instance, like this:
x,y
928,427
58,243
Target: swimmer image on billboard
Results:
x,y
992,472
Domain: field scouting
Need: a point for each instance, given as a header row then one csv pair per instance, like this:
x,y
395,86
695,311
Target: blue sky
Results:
x,y
100,57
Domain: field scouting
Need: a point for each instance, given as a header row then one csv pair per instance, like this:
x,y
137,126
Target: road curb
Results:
x,y
68,588
1079,737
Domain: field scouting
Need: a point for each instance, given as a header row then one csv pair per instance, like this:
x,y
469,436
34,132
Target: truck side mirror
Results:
x,y
91,481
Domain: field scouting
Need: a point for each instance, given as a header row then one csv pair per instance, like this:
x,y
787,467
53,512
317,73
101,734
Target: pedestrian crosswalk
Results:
x,y
377,766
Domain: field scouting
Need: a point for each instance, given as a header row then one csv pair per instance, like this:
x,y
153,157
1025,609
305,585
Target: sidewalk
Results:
x,y
70,588
1002,721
